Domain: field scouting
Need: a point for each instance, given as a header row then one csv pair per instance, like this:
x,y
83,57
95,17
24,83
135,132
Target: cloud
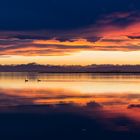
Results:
x,y
93,105
134,37
131,106
56,47
120,19
13,100
104,35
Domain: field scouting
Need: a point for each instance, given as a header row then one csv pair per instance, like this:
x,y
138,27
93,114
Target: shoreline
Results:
x,y
116,73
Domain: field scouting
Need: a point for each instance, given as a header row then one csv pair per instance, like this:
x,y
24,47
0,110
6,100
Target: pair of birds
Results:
x,y
26,80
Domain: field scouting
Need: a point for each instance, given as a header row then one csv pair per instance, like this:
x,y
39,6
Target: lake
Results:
x,y
76,105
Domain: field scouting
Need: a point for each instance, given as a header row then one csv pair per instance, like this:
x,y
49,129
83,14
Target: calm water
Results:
x,y
80,102
68,88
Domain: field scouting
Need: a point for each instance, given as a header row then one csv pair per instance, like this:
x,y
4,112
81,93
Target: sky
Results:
x,y
72,32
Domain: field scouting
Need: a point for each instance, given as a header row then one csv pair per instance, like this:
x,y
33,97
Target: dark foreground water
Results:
x,y
69,106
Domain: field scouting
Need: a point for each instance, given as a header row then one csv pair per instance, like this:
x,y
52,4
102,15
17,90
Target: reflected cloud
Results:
x,y
93,105
13,100
131,106
105,120
64,102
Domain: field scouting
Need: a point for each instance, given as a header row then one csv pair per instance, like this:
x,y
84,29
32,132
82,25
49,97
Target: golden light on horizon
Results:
x,y
78,58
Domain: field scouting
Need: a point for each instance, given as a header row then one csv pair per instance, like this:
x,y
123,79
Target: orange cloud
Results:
x,y
104,35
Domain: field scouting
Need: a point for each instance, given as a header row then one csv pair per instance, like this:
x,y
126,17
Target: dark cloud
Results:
x,y
131,106
93,105
121,19
113,40
93,38
38,37
134,37
13,100
63,39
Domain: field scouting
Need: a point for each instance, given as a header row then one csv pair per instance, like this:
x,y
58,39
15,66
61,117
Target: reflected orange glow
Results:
x,y
115,94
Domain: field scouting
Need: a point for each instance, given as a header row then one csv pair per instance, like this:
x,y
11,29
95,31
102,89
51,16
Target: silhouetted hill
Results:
x,y
33,67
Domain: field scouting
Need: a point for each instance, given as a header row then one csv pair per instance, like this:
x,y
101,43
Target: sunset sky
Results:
x,y
70,32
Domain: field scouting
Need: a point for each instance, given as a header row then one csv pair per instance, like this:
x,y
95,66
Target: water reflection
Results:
x,y
108,90
78,88
108,104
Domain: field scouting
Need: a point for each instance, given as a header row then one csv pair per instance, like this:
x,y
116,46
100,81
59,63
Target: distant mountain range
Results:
x,y
33,67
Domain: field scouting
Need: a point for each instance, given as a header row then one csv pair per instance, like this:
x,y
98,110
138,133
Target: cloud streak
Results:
x,y
108,34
